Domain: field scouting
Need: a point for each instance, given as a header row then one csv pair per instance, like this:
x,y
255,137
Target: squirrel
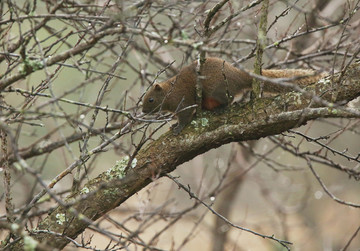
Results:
x,y
220,82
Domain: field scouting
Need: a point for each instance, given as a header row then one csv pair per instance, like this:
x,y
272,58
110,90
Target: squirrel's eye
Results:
x,y
151,100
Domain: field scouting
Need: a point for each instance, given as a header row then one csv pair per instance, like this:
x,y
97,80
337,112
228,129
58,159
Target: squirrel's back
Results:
x,y
220,82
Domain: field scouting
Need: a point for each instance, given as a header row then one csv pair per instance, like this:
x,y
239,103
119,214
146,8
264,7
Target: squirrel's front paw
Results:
x,y
176,128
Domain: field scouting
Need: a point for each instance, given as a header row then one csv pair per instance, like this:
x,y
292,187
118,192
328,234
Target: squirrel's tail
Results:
x,y
300,77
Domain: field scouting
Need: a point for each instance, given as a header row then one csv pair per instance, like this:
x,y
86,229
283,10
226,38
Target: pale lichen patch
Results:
x,y
333,111
60,219
324,81
323,84
29,65
84,190
294,98
133,163
119,170
200,123
14,227
30,243
204,122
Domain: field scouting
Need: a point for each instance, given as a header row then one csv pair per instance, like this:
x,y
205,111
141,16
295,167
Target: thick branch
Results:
x,y
263,117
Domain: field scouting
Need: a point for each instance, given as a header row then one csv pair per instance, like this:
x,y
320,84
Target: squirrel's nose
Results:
x,y
145,110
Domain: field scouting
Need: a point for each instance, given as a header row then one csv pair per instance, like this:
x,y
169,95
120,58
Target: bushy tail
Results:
x,y
300,77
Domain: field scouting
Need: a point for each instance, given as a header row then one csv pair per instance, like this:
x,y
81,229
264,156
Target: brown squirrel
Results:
x,y
220,81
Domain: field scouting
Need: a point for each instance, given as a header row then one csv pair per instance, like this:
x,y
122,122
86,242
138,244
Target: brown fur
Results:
x,y
220,81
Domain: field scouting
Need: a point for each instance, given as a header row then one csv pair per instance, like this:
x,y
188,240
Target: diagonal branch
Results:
x,y
261,118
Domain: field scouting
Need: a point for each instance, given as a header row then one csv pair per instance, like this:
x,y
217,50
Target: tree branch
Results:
x,y
261,118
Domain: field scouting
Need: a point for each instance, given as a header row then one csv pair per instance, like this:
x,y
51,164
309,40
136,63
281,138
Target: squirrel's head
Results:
x,y
153,99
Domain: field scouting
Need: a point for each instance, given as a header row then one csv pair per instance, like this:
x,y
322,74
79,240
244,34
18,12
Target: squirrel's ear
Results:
x,y
158,87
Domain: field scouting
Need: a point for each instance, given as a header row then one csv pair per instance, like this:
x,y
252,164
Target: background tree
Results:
x,y
81,167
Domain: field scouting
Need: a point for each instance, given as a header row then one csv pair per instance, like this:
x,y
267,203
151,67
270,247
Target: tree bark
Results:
x,y
254,120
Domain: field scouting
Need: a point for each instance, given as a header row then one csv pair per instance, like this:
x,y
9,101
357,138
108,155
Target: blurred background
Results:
x,y
53,116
